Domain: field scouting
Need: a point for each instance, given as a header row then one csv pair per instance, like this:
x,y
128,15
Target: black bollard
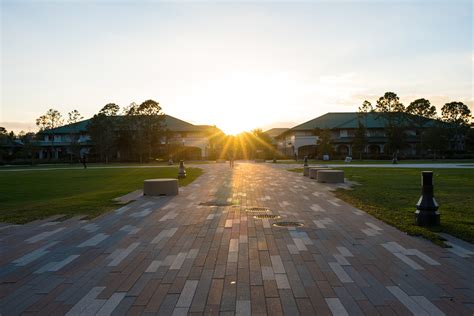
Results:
x,y
305,161
182,171
426,213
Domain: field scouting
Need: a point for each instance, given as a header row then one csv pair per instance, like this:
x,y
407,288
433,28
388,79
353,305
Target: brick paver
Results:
x,y
176,256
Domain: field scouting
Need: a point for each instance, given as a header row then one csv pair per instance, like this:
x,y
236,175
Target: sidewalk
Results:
x,y
173,256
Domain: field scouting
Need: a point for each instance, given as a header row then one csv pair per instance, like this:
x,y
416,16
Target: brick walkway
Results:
x,y
172,256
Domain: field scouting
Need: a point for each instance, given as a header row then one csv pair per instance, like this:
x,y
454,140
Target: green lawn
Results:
x,y
379,162
98,164
391,195
30,195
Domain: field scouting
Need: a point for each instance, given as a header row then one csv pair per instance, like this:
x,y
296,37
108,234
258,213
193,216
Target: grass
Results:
x,y
100,165
31,195
391,195
379,162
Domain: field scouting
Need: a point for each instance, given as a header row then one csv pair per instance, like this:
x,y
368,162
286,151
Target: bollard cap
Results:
x,y
427,178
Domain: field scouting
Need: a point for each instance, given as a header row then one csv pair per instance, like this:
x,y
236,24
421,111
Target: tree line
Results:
x,y
449,132
23,147
136,133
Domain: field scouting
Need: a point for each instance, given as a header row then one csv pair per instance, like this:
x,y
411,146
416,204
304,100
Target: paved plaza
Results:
x,y
202,253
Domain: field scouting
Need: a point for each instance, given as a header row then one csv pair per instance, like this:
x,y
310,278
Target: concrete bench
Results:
x,y
153,187
313,171
330,176
259,160
220,161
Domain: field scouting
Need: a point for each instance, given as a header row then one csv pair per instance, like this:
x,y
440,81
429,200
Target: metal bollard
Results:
x,y
426,213
182,171
305,161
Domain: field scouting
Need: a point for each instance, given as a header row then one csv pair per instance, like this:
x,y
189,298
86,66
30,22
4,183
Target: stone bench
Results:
x,y
330,176
260,160
153,187
220,161
313,171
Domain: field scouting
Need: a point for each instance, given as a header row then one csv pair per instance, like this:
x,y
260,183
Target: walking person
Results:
x,y
231,160
84,161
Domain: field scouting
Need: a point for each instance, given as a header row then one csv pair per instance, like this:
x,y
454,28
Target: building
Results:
x,y
302,140
73,139
274,133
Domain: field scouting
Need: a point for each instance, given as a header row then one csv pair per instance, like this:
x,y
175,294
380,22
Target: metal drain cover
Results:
x,y
257,210
267,216
288,224
216,203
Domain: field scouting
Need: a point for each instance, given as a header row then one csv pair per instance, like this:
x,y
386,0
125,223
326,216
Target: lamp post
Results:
x,y
427,213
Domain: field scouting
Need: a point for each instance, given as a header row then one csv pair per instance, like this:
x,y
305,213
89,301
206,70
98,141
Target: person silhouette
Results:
x,y
231,160
84,161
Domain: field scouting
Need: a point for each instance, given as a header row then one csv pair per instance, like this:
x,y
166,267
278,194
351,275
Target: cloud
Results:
x,y
19,126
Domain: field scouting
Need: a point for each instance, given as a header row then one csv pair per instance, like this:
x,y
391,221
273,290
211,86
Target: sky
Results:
x,y
238,65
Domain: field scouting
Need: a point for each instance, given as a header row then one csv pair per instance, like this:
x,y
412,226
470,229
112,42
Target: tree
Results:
x,y
48,122
51,119
74,116
470,139
129,109
3,142
436,138
459,116
396,139
391,112
262,143
324,142
146,121
217,140
457,113
29,145
421,111
74,147
8,143
422,108
360,139
110,109
103,131
126,131
366,107
389,103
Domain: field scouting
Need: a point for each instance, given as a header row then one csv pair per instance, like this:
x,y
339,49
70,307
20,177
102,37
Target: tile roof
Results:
x,y
348,120
170,122
277,131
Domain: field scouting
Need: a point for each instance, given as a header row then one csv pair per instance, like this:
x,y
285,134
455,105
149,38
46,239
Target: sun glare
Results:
x,y
237,126
242,101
